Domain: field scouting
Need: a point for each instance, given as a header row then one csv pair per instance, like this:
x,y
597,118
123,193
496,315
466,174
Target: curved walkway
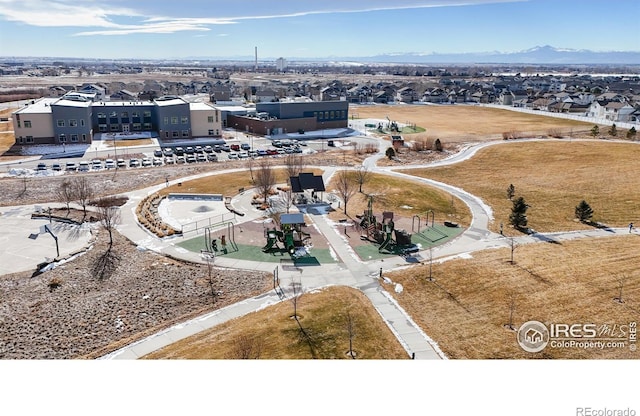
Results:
x,y
349,270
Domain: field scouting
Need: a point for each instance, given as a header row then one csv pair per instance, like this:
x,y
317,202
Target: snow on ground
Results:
x,y
30,173
48,149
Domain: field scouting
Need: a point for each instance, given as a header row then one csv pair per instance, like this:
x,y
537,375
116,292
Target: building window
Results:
x,y
332,116
174,120
102,115
137,127
210,132
84,137
114,127
74,138
166,134
102,128
124,114
29,139
217,132
326,115
113,114
185,133
147,126
185,120
146,114
82,122
216,116
210,119
166,120
175,133
73,123
20,140
60,123
27,124
135,114
62,138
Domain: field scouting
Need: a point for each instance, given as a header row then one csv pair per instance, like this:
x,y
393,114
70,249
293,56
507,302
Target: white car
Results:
x,y
84,166
232,155
109,164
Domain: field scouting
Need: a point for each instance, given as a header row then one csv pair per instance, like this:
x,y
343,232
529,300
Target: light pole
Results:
x,y
236,131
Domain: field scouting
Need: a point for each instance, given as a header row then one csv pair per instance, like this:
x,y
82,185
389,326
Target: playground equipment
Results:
x,y
227,241
290,235
430,233
391,241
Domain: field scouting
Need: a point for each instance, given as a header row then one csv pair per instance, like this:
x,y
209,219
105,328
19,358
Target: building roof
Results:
x,y
200,107
41,106
307,181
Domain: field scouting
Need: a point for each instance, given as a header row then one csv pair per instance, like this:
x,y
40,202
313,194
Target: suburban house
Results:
x,y
406,95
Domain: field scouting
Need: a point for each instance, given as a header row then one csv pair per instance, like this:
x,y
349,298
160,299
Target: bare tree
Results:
x,y
513,245
362,175
246,348
293,164
265,178
65,194
296,294
109,216
287,196
345,187
622,279
83,192
512,303
351,332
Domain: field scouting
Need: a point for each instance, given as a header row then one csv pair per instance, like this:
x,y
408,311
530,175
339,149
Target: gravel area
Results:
x,y
87,317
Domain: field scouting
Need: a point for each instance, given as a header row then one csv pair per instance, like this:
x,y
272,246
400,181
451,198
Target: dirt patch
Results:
x,y
69,313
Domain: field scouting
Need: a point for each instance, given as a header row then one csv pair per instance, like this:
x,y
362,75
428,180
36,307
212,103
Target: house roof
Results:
x,y
307,181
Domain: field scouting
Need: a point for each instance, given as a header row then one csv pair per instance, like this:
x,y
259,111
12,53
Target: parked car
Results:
x,y
245,146
208,149
243,155
57,167
191,159
157,153
199,149
134,163
235,147
71,166
146,162
233,156
262,152
212,157
121,163
169,161
84,166
201,157
167,151
41,166
179,151
226,148
180,159
96,164
217,148
109,164
157,161
189,150
253,153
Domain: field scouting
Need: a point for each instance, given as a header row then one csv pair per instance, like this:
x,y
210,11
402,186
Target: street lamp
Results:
x,y
236,131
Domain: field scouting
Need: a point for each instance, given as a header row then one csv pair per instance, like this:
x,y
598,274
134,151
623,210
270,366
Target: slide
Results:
x,y
270,243
385,244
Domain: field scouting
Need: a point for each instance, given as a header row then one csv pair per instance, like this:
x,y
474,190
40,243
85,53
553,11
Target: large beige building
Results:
x,y
206,120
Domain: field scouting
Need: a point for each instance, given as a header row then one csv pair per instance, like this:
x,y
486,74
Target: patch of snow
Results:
x,y
387,280
406,206
398,288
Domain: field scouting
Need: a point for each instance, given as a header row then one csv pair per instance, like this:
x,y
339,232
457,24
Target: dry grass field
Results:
x,y
465,309
463,123
405,198
227,184
553,177
272,333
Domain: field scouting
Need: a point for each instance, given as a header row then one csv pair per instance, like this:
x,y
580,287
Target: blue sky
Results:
x,y
156,29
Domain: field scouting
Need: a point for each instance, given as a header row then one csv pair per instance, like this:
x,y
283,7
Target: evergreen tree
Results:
x,y
518,216
511,191
613,130
584,211
631,134
595,130
390,153
437,145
